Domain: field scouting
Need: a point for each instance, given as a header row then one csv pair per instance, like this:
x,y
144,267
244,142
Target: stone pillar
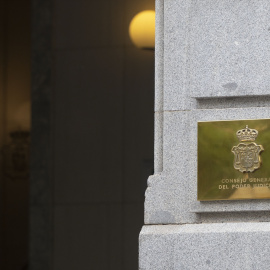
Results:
x,y
212,64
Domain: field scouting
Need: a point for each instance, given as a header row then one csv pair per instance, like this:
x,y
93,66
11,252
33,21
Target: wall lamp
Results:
x,y
142,30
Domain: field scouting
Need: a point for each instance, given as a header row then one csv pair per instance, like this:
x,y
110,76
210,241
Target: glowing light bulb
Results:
x,y
142,30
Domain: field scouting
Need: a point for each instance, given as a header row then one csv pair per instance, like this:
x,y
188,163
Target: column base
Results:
x,y
217,246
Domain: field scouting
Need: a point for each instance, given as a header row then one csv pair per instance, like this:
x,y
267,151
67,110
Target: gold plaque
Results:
x,y
234,160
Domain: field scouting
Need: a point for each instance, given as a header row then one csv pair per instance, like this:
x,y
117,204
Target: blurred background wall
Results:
x,y
15,84
91,136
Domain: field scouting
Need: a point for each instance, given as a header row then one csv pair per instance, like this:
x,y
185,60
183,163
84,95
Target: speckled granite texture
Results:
x,y
227,246
214,49
182,99
211,64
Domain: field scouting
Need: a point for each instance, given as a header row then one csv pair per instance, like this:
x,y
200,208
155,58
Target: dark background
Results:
x,y
92,98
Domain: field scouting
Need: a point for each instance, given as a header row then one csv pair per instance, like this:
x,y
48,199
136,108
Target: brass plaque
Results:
x,y
234,160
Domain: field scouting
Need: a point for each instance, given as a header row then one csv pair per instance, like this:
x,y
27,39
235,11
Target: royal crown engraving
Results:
x,y
247,153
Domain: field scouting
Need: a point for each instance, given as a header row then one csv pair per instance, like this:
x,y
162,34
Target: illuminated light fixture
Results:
x,y
142,30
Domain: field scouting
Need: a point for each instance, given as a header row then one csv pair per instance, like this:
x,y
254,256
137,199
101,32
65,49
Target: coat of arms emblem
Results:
x,y
247,152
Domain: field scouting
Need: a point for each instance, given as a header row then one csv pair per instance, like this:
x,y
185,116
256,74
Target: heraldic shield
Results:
x,y
247,153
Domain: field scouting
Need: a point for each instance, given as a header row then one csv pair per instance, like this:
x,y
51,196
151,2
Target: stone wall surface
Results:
x,y
237,246
211,65
191,40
